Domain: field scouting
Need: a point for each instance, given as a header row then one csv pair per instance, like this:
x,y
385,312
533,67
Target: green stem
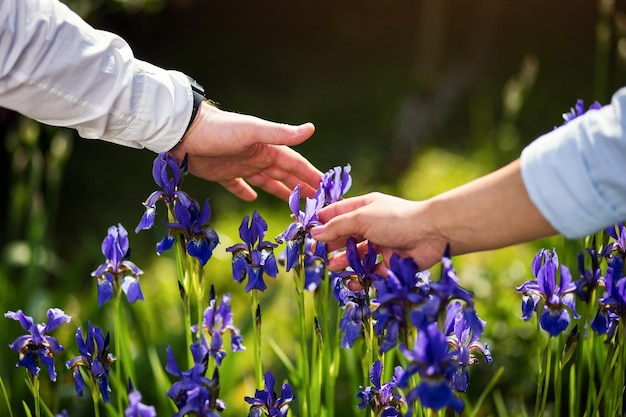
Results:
x,y
547,370
305,375
95,396
256,335
36,396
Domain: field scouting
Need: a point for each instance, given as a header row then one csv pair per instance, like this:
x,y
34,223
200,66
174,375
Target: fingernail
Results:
x,y
316,231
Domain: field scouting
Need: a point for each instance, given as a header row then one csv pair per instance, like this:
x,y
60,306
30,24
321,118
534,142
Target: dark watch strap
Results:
x,y
198,97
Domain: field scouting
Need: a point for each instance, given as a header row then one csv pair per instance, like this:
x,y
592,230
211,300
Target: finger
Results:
x,y
341,207
340,243
342,226
338,262
288,160
290,180
240,188
270,185
381,269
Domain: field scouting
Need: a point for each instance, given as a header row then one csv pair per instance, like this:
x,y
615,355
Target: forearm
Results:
x,y
491,212
57,69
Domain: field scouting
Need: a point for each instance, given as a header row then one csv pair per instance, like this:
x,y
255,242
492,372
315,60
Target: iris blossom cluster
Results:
x,y
37,346
432,359
255,256
556,299
295,234
266,403
189,219
359,276
406,289
216,322
462,334
192,224
169,176
334,184
382,399
95,358
194,393
117,270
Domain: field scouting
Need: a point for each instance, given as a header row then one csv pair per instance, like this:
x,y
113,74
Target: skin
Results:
x,y
241,151
490,212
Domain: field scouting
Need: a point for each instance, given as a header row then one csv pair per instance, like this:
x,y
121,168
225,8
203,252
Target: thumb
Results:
x,y
271,133
341,226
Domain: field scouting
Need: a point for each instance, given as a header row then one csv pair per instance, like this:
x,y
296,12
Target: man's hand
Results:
x,y
240,151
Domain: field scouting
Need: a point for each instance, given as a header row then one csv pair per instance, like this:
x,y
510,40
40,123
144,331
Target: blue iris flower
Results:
x,y
315,261
360,270
382,398
169,176
612,307
37,346
336,183
303,221
216,322
432,359
136,408
589,278
405,289
194,393
117,270
95,358
554,316
355,318
265,402
192,224
462,335
255,256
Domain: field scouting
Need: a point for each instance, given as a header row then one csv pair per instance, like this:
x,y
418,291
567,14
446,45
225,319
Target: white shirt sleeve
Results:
x,y
57,69
575,173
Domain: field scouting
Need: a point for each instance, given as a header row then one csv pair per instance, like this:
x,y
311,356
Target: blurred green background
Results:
x,y
418,96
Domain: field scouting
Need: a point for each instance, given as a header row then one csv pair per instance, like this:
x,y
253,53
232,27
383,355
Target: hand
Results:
x,y
392,224
239,151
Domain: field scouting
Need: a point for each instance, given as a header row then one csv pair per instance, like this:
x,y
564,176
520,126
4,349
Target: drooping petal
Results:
x,y
554,321
105,289
132,289
165,244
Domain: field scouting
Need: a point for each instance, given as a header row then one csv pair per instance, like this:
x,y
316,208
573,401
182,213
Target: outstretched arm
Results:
x,y
491,212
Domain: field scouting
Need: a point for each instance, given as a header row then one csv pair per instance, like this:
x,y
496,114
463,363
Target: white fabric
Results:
x,y
575,174
57,69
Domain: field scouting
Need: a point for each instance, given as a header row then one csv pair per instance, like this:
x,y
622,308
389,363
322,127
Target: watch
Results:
x,y
198,97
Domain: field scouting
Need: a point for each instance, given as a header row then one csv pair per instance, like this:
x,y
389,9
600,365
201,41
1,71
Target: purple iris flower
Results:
x,y
117,270
265,401
554,317
355,318
405,289
136,408
303,221
255,256
169,176
37,346
315,261
95,358
217,321
589,278
193,225
462,335
336,183
578,110
194,393
360,270
432,359
381,398
612,308
618,245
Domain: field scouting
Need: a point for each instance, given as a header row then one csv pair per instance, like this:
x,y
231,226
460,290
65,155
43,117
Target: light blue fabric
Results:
x,y
576,174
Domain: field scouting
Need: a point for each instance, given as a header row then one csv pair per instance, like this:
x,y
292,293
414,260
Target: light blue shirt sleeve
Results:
x,y
576,174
